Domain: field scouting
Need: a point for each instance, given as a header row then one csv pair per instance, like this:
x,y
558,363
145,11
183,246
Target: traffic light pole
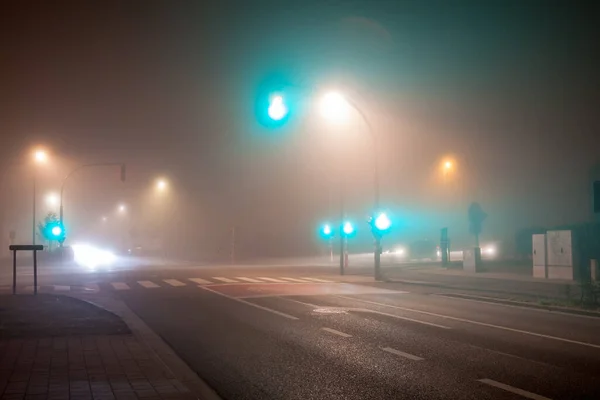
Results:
x,y
342,235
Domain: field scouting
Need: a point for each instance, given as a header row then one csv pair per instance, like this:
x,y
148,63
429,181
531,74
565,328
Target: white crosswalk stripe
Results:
x,y
60,288
91,288
293,279
223,279
148,284
317,280
174,282
120,285
200,281
264,278
252,280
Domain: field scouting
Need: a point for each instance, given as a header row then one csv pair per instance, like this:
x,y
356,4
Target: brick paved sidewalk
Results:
x,y
84,367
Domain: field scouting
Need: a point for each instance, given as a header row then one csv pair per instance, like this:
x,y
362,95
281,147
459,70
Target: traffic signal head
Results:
x,y
326,231
380,224
277,108
55,231
348,228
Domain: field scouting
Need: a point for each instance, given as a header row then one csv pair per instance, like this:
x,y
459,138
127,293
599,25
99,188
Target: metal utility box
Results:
x,y
560,255
540,265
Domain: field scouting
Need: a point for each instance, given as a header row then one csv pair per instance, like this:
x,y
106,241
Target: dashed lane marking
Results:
x,y
317,280
252,280
401,354
512,389
200,281
264,278
336,332
120,285
148,284
223,279
293,279
174,282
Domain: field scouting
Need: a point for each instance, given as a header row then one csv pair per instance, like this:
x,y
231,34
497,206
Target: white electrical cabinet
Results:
x,y
540,266
553,255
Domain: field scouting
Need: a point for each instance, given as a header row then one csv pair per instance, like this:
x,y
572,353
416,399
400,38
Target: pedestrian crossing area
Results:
x,y
158,283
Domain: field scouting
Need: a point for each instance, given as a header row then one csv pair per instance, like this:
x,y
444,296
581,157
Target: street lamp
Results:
x,y
40,157
52,199
336,108
122,208
161,185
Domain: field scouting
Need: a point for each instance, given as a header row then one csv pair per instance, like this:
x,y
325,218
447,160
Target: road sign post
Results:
x,y
25,247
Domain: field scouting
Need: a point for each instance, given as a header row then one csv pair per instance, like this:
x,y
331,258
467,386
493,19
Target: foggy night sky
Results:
x,y
509,88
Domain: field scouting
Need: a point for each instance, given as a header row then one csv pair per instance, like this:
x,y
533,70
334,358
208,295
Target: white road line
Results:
x,y
522,307
418,321
120,285
293,279
401,354
200,281
272,280
174,282
243,278
513,389
148,284
369,311
250,303
60,288
91,288
317,280
226,280
336,332
505,328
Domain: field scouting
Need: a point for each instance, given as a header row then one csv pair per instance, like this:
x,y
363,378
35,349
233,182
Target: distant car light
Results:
x,y
92,257
400,251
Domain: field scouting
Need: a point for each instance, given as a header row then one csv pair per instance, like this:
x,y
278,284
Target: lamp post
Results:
x,y
39,157
335,107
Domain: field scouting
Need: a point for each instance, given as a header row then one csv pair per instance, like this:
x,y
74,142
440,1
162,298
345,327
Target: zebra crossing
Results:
x,y
157,283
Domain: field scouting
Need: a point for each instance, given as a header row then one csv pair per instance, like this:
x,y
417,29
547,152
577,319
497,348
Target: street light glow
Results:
x,y
40,156
161,185
327,229
122,208
277,109
334,107
52,199
56,231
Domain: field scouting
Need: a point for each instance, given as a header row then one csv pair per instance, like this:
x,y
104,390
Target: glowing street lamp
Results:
x,y
122,208
40,156
52,199
161,185
334,108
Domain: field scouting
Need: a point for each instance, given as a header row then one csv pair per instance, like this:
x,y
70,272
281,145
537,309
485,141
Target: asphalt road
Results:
x,y
298,332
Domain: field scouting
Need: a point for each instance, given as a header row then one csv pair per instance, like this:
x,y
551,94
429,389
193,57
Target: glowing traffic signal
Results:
x,y
326,231
54,230
277,108
348,229
380,224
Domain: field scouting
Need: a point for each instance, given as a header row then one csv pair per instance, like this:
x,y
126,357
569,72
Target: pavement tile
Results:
x,y
34,390
13,396
180,386
144,394
41,396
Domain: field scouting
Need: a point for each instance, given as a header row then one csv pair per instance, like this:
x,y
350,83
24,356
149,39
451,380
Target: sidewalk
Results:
x,y
59,347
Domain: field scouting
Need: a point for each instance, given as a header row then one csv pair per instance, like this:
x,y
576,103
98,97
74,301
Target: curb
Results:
x,y
162,351
565,310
